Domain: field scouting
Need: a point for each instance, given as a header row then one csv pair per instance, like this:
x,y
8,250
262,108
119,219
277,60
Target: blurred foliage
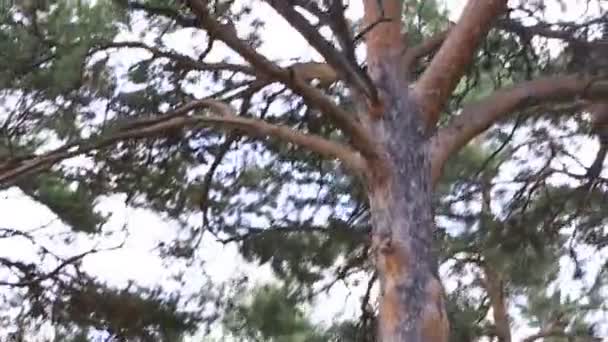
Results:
x,y
517,200
271,315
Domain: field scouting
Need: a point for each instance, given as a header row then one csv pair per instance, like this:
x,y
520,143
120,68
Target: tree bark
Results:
x,y
436,84
412,304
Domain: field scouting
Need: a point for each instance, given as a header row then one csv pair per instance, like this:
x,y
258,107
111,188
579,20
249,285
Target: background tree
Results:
x,y
299,162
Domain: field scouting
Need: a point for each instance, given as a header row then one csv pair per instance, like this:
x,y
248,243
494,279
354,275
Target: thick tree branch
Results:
x,y
265,68
423,49
385,48
322,71
338,61
327,75
384,40
479,116
334,18
12,170
449,64
308,71
259,128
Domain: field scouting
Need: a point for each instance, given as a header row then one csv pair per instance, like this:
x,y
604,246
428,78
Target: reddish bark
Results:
x,y
479,116
384,38
436,84
412,300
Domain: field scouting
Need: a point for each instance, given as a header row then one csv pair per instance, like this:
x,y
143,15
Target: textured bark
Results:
x,y
412,305
436,84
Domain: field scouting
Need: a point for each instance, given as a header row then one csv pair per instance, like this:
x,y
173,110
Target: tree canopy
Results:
x,y
173,107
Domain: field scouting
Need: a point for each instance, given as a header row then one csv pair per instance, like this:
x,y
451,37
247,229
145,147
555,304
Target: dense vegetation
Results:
x,y
95,101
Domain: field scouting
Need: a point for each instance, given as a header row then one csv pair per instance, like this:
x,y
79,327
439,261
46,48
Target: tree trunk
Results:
x,y
412,304
494,286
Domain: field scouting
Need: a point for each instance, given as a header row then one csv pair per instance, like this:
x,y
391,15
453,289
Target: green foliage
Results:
x,y
128,314
273,315
87,308
512,201
294,253
424,18
72,202
465,316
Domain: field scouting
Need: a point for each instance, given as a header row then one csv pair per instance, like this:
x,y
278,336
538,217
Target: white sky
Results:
x,y
136,261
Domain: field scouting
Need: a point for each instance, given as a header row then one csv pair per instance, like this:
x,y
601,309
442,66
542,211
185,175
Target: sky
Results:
x,y
137,260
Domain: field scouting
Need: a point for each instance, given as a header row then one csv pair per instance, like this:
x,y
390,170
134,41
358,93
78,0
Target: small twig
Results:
x,y
370,27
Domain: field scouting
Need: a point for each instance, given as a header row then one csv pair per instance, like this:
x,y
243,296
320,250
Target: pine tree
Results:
x,y
448,144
